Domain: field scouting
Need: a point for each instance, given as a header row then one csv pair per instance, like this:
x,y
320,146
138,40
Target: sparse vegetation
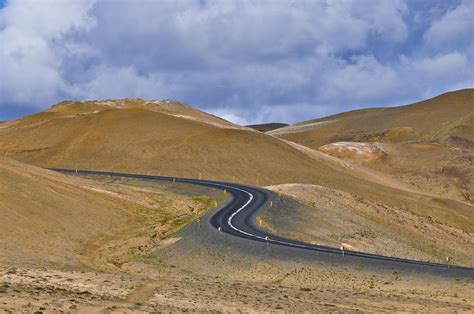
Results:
x,y
94,243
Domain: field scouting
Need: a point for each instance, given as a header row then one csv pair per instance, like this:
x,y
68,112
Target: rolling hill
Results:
x,y
54,220
428,145
139,136
448,115
169,138
47,217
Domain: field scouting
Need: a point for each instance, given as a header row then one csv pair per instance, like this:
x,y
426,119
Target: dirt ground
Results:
x,y
230,285
439,168
334,218
189,269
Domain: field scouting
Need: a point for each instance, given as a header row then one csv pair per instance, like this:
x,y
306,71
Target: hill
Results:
x,y
428,145
133,136
265,127
47,217
53,220
139,136
332,217
450,114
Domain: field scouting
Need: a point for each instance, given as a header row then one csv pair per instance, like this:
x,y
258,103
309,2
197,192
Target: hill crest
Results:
x,y
449,114
68,109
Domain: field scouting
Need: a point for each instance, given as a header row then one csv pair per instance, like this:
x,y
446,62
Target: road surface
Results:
x,y
237,217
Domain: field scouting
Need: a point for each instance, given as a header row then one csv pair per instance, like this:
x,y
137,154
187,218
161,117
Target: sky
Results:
x,y
246,61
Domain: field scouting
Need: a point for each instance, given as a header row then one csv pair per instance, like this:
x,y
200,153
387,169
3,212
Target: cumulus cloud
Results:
x,y
362,78
245,60
455,27
33,37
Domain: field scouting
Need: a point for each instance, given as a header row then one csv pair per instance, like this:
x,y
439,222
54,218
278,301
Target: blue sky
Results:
x,y
248,61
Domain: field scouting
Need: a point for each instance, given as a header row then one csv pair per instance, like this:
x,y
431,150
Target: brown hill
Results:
x,y
132,136
46,218
332,217
53,220
440,168
450,114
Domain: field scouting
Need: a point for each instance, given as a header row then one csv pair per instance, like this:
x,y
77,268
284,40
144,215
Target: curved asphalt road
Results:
x,y
237,217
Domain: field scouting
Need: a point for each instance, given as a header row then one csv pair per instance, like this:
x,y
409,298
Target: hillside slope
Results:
x,y
53,220
332,217
428,145
450,114
47,218
126,136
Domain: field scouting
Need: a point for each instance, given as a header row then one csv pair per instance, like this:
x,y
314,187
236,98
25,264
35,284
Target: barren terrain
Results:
x,y
93,243
437,168
192,269
450,114
334,218
49,219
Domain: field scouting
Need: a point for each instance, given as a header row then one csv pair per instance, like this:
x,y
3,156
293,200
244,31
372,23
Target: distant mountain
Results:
x,y
450,114
265,127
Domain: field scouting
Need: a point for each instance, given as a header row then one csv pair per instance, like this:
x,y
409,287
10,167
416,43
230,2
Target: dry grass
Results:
x,y
133,138
139,140
448,114
437,169
53,220
332,217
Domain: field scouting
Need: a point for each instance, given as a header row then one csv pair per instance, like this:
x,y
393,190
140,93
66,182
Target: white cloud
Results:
x,y
456,26
229,115
363,79
30,55
258,60
384,17
48,19
451,70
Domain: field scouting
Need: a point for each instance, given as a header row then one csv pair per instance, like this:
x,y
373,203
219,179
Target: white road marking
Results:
x,y
321,249
229,221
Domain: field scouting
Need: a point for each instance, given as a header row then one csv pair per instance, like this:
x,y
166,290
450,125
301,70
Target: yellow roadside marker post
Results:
x,y
448,259
267,239
174,180
271,204
215,204
219,229
76,171
225,191
346,247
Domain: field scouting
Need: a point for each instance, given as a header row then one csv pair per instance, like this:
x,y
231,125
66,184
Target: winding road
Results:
x,y
237,217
